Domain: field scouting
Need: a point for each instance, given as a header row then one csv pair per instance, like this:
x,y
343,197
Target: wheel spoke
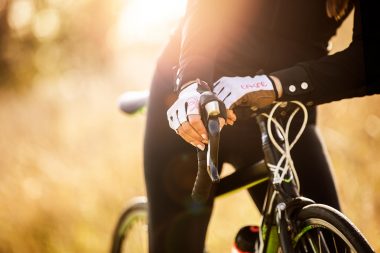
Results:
x,y
322,241
323,229
304,245
311,243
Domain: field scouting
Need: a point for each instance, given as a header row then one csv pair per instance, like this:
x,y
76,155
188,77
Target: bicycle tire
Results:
x,y
131,234
320,226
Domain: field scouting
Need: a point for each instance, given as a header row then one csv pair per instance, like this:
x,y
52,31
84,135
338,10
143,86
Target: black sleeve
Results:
x,y
371,43
204,23
331,78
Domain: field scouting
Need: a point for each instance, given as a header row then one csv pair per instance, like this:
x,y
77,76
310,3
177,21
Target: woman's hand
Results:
x,y
185,119
184,115
257,91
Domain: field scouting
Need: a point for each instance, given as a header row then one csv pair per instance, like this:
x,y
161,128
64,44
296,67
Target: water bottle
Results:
x,y
247,240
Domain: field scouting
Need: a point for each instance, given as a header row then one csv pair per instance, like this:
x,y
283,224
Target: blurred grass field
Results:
x,y
70,160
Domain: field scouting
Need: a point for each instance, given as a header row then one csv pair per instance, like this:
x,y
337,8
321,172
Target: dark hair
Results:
x,y
336,8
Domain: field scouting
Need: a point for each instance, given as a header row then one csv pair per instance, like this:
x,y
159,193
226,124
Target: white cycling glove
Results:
x,y
257,91
186,104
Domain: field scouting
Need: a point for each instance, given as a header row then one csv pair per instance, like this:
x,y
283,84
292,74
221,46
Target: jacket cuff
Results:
x,y
296,84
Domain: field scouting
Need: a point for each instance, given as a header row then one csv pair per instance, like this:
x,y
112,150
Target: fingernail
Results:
x,y
201,147
205,141
204,136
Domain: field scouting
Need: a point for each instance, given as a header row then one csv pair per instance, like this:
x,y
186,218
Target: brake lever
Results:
x,y
213,148
208,158
213,112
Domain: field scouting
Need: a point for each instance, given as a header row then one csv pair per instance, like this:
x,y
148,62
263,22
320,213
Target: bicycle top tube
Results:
x,y
242,178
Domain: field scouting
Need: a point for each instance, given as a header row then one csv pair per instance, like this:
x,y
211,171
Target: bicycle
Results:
x,y
290,222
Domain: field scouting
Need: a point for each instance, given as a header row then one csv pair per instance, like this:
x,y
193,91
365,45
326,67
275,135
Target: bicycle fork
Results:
x,y
283,228
276,231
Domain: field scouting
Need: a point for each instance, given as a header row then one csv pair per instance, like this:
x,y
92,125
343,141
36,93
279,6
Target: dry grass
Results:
x,y
70,160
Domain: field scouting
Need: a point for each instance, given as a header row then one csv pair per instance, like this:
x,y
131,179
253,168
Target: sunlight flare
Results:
x,y
149,20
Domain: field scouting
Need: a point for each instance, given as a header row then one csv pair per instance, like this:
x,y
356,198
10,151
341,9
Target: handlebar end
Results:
x,y
214,174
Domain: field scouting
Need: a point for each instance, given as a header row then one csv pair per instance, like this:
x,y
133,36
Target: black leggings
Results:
x,y
176,224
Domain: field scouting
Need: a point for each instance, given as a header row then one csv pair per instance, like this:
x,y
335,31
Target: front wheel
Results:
x,y
131,232
324,229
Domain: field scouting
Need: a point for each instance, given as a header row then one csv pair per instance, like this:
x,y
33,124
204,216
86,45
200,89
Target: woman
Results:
x,y
216,39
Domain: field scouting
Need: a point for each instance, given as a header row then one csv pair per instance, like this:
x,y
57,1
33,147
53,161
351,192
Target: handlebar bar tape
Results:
x,y
203,183
208,159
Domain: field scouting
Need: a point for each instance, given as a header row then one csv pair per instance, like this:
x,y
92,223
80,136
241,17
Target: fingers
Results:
x,y
197,124
231,117
194,132
188,134
184,118
222,122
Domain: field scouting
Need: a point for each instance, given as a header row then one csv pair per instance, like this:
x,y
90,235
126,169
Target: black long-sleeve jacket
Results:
x,y
329,78
285,38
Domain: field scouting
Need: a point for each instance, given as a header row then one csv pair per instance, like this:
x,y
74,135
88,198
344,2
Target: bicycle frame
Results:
x,y
287,217
275,222
282,199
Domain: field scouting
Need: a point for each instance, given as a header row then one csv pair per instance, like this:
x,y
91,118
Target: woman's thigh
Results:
x,y
177,224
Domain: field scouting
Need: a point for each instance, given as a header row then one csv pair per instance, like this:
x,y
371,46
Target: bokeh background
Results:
x,y
70,160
